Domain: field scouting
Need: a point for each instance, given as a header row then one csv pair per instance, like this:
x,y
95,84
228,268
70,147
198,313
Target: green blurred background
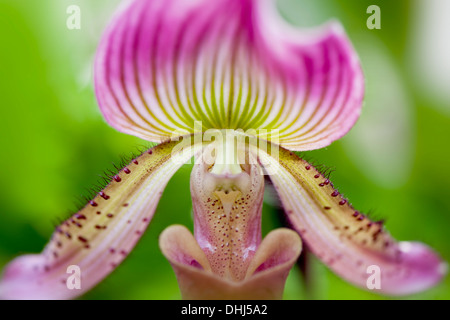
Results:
x,y
54,141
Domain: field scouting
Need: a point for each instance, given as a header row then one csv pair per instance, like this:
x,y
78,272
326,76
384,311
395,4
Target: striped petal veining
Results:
x,y
164,64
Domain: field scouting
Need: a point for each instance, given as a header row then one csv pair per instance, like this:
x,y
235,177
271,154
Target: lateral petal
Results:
x,y
345,239
99,237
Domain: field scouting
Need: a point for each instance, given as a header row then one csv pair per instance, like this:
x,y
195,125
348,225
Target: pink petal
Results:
x,y
344,239
163,64
101,235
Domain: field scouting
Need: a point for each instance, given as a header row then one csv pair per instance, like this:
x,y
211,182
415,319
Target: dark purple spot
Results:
x,y
317,176
82,239
93,203
135,162
342,202
110,215
150,151
327,208
308,167
376,234
104,195
117,178
98,212
335,193
195,264
321,184
125,204
126,170
80,216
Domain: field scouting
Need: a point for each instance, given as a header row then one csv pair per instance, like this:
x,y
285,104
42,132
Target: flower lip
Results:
x,y
274,257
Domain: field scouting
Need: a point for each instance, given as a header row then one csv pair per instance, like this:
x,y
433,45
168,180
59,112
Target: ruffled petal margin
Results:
x,y
162,65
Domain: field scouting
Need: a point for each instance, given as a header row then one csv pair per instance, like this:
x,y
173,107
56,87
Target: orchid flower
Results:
x,y
231,84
